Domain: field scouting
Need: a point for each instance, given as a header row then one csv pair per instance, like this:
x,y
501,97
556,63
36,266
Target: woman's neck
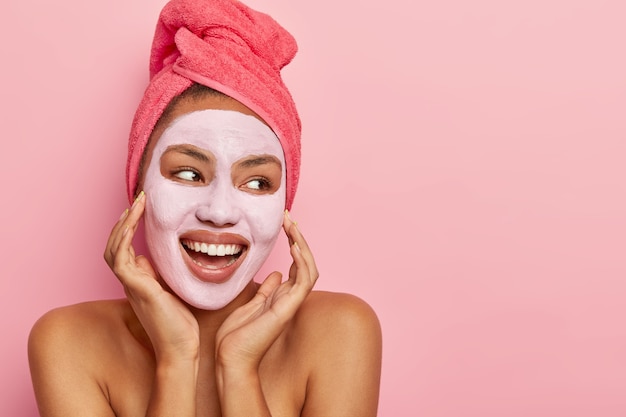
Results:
x,y
209,321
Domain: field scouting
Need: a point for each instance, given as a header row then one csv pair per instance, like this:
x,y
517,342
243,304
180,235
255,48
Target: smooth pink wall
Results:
x,y
464,172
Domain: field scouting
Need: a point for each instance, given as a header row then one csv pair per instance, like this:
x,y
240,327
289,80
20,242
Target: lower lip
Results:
x,y
215,276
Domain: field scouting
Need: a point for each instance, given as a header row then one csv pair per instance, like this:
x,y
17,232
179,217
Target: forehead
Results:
x,y
190,105
227,134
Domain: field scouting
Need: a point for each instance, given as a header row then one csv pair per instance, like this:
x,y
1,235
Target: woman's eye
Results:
x,y
187,175
258,184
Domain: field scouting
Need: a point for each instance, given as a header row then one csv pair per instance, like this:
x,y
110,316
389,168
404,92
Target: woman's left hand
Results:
x,y
247,334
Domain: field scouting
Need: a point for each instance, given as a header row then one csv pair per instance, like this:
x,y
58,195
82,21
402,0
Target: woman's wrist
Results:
x,y
236,375
172,361
188,353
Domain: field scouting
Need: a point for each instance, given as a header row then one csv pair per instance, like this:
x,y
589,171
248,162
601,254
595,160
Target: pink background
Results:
x,y
464,172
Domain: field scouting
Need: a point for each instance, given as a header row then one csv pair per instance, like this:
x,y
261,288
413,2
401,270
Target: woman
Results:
x,y
213,165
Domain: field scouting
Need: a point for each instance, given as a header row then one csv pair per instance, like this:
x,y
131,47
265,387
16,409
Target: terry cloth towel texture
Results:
x,y
224,45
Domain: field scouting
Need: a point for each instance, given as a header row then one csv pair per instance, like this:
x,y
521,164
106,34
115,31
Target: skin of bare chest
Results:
x,y
130,373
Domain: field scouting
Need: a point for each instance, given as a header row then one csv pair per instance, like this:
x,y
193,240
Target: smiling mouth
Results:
x,y
211,255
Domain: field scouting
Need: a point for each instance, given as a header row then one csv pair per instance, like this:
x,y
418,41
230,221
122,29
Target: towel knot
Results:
x,y
221,23
224,45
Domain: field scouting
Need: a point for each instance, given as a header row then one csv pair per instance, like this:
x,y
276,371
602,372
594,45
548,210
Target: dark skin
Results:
x,y
277,349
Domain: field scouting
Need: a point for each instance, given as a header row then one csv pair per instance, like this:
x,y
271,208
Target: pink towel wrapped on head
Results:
x,y
224,45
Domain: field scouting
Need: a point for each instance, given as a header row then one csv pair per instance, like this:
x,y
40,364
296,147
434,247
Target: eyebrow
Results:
x,y
259,160
189,151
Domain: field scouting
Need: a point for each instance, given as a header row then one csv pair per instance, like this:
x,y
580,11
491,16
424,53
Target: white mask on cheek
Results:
x,y
218,217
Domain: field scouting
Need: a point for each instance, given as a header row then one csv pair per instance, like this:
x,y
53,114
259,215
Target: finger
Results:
x,y
135,273
122,261
284,307
129,214
295,235
287,222
111,241
269,285
144,264
134,214
121,251
300,262
137,210
129,219
293,270
145,284
299,271
301,281
257,305
114,249
301,251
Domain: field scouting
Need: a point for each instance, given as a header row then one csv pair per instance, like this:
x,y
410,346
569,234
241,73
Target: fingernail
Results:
x,y
139,197
295,244
124,214
290,219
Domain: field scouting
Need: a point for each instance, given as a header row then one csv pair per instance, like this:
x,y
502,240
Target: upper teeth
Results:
x,y
213,249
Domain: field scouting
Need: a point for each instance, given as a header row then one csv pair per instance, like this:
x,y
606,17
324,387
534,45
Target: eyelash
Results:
x,y
264,183
197,178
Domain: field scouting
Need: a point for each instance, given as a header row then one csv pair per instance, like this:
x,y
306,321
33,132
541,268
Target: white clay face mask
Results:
x,y
211,218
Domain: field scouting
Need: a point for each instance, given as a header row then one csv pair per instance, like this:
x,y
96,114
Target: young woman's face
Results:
x,y
215,188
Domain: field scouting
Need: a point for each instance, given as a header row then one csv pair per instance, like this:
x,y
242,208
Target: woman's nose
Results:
x,y
219,208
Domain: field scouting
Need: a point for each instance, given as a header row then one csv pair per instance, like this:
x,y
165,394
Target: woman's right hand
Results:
x,y
172,329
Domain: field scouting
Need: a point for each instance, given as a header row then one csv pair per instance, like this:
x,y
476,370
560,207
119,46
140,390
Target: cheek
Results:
x,y
265,216
167,205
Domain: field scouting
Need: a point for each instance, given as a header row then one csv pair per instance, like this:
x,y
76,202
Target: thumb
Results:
x,y
268,286
144,264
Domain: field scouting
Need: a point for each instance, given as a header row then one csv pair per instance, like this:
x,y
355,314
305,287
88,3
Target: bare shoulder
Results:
x,y
75,331
70,352
339,338
330,322
334,311
79,321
